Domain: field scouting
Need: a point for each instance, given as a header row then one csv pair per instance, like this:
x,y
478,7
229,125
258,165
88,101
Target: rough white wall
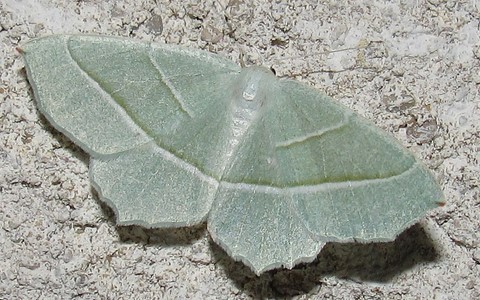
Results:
x,y
412,67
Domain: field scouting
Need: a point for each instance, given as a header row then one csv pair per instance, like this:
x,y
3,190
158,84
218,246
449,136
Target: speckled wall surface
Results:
x,y
411,67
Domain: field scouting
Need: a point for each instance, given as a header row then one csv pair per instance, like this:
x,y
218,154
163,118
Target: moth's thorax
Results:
x,y
253,88
251,94
250,98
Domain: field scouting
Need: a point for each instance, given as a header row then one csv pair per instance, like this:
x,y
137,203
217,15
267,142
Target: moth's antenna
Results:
x,y
241,56
363,45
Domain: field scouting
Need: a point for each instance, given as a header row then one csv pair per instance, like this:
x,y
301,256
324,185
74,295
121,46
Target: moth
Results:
x,y
178,137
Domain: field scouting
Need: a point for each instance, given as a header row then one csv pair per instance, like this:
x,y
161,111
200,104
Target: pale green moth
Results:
x,y
178,137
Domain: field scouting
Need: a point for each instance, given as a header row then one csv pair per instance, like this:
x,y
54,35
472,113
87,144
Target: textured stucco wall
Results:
x,y
412,67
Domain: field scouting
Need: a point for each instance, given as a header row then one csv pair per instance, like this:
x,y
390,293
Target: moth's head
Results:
x,y
256,85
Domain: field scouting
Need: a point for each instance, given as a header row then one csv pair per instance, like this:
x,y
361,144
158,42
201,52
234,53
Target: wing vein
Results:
x,y
108,97
306,189
176,95
318,133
